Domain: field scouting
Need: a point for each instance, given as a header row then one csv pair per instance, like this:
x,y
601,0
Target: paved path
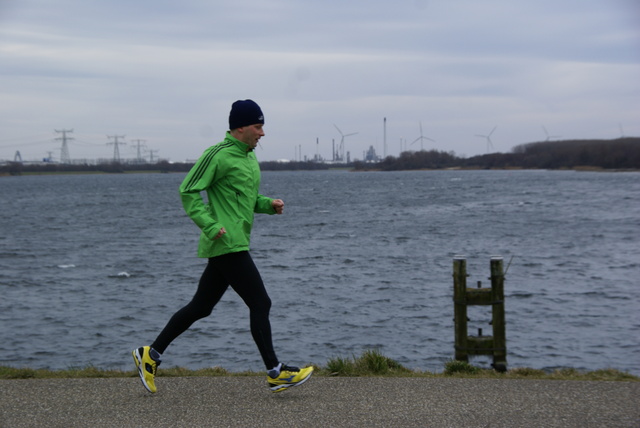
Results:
x,y
321,402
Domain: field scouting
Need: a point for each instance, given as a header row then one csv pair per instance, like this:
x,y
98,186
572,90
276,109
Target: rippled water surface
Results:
x,y
94,265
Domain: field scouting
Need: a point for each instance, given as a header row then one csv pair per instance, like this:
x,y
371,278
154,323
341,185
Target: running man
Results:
x,y
230,175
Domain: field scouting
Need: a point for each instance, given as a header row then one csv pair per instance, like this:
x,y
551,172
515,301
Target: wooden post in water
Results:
x,y
497,319
466,345
460,307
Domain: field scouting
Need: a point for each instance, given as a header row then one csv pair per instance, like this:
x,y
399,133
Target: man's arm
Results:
x,y
197,180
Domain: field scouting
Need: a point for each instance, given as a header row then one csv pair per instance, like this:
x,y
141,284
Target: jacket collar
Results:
x,y
239,144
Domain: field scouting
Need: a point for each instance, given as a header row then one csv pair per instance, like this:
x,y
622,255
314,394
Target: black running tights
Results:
x,y
239,271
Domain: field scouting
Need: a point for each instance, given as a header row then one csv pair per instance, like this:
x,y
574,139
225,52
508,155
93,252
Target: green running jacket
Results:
x,y
230,175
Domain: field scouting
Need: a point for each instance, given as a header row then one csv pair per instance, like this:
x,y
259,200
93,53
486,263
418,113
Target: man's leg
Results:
x,y
242,274
210,289
244,278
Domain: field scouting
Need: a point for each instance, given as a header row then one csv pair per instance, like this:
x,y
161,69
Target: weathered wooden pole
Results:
x,y
460,307
499,335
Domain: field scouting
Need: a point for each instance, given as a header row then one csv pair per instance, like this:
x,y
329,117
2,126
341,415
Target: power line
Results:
x,y
17,140
84,143
35,143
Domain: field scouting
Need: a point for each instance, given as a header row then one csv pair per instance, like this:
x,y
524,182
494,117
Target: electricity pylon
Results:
x,y
116,143
64,151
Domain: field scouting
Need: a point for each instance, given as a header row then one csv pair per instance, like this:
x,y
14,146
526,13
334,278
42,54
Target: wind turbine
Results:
x,y
341,148
421,137
549,136
488,137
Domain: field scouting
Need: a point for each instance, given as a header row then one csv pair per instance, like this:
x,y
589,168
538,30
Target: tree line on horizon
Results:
x,y
617,154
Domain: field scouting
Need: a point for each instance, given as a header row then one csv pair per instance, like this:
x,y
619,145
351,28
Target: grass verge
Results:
x,y
370,363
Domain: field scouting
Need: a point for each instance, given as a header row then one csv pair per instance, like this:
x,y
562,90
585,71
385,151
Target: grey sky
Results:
x,y
167,72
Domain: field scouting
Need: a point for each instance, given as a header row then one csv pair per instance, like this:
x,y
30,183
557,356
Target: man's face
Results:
x,y
251,134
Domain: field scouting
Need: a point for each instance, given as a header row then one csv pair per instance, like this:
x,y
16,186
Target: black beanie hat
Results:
x,y
244,113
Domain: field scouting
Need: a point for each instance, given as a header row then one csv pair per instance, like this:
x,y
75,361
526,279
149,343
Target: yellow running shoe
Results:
x,y
288,377
147,366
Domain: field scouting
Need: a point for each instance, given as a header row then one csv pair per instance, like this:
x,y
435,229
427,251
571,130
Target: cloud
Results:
x,y
168,72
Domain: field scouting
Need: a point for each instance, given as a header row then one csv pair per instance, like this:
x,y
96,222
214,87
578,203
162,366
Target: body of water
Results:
x,y
92,266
